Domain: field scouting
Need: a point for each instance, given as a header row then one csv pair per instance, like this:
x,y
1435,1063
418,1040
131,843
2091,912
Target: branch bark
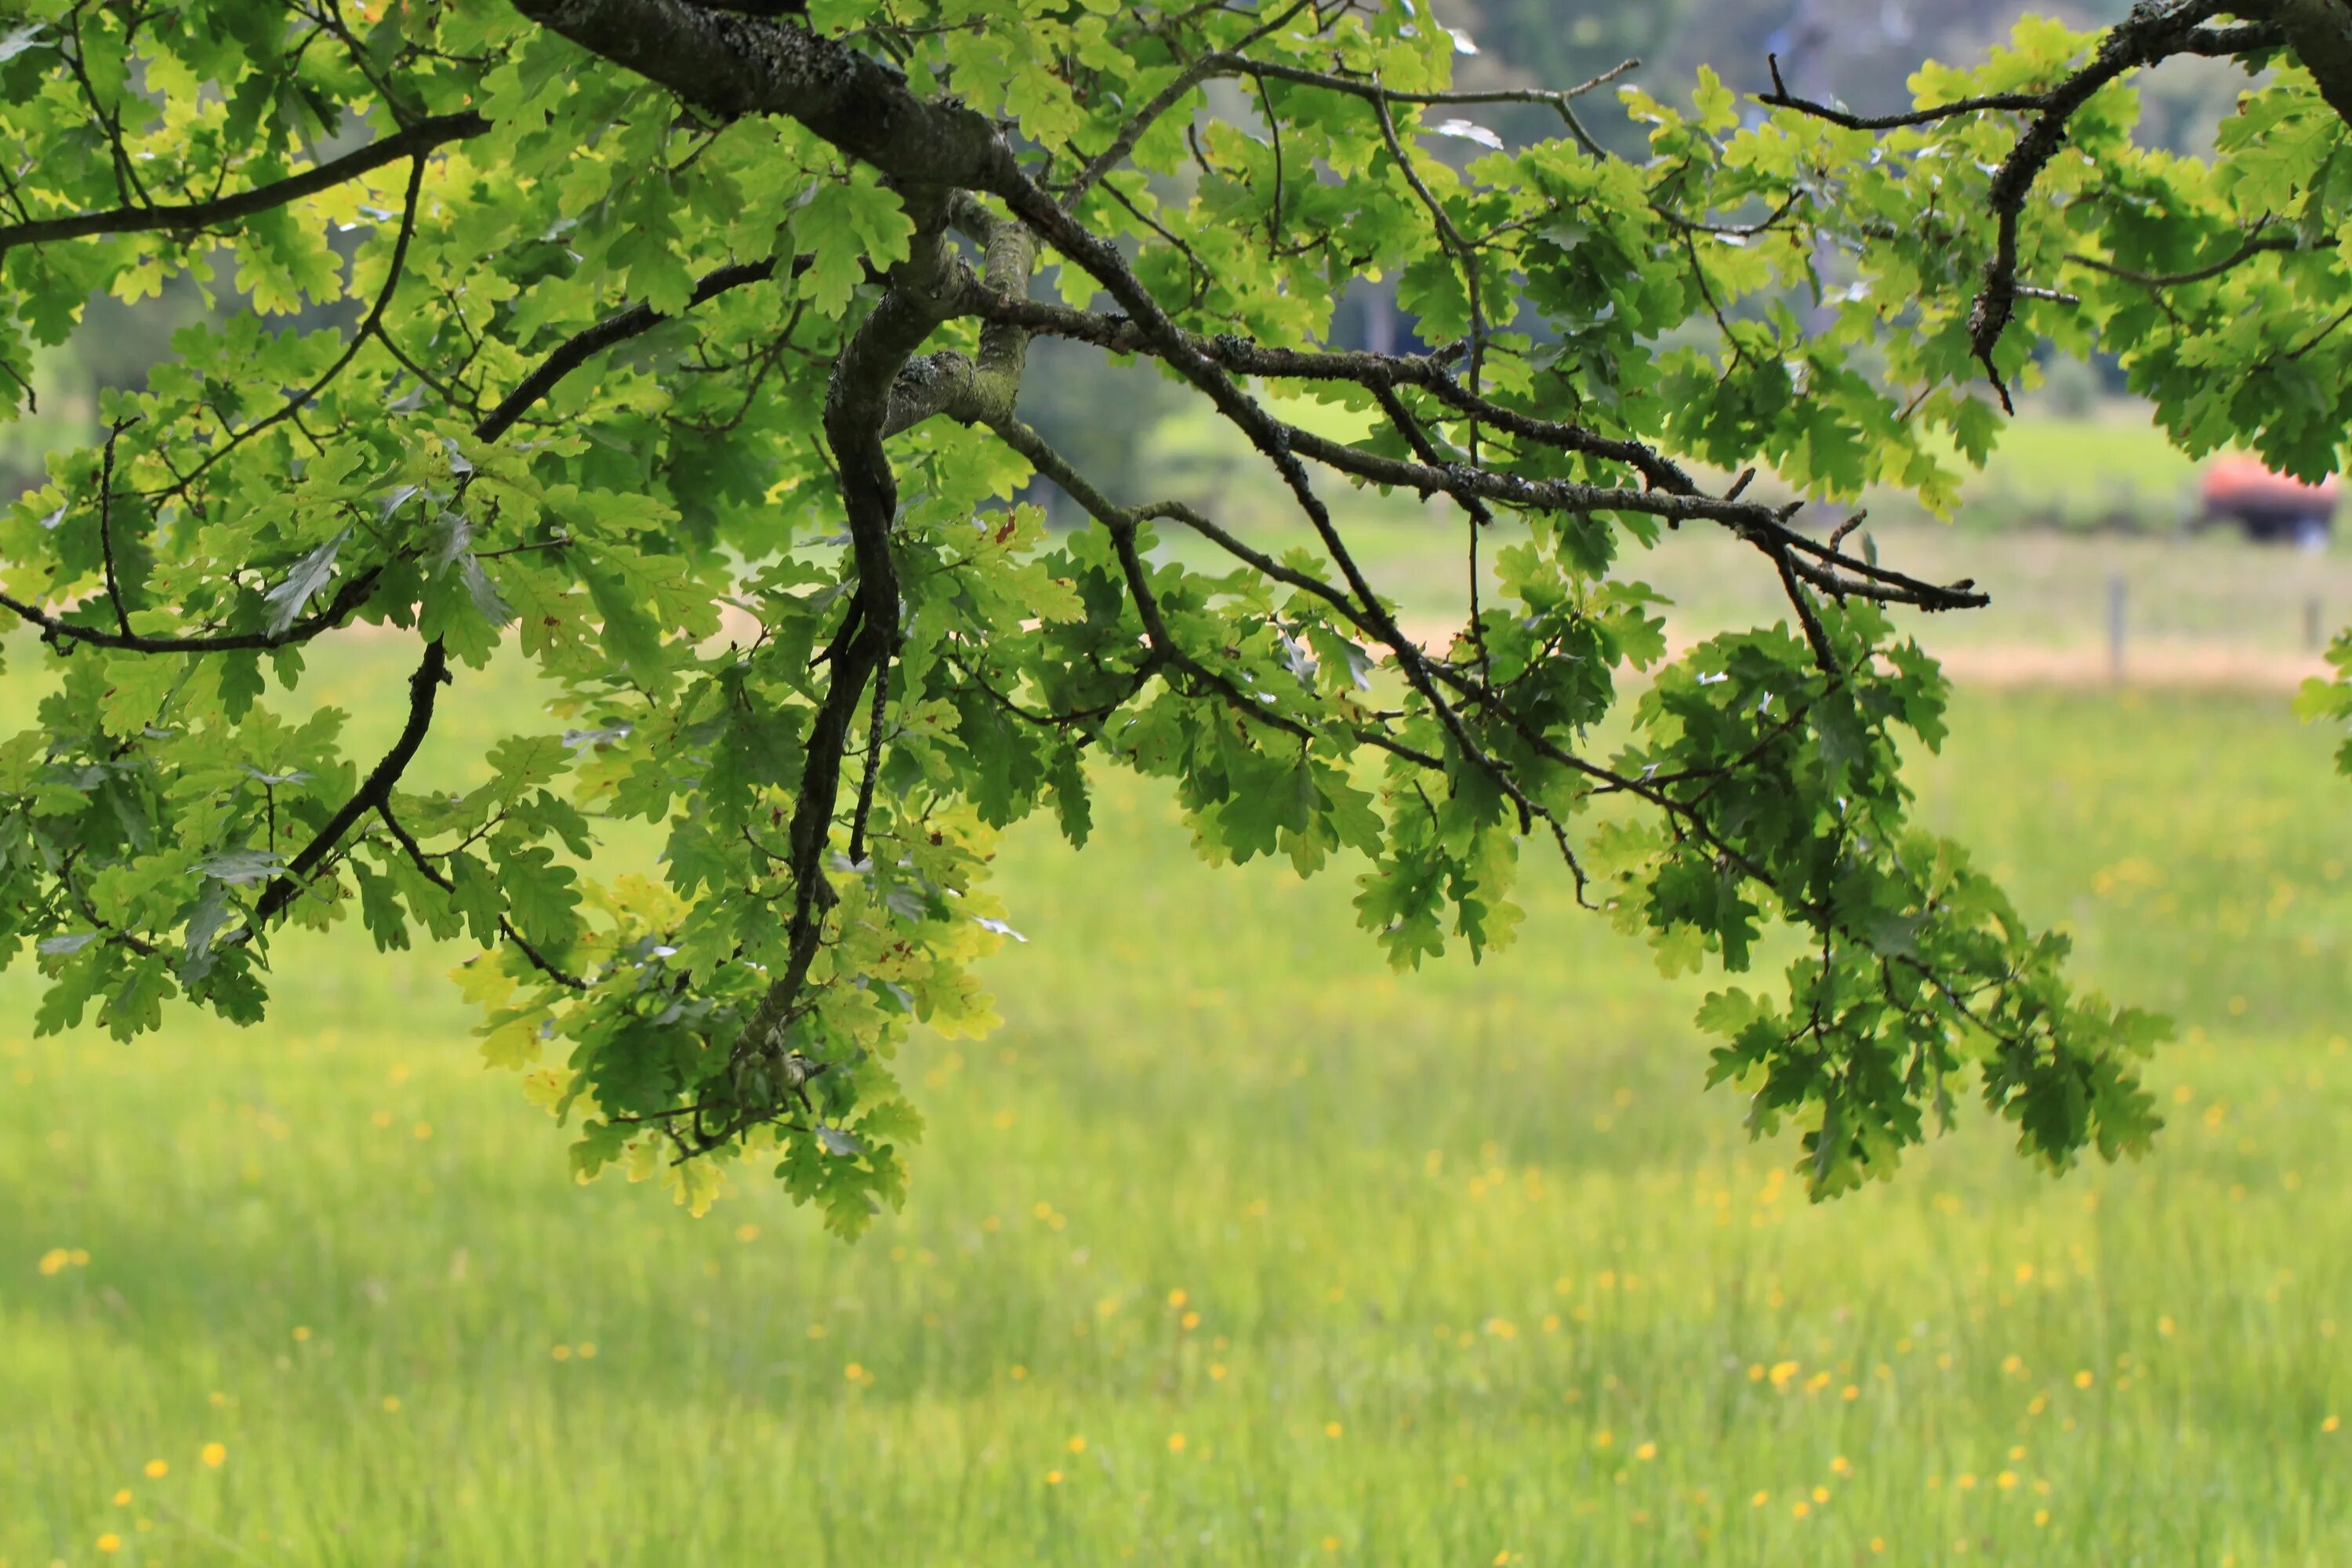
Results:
x,y
857,408
733,66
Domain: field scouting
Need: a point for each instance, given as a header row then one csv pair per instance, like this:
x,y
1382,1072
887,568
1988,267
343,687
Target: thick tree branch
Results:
x,y
857,408
2320,34
733,66
950,381
2151,33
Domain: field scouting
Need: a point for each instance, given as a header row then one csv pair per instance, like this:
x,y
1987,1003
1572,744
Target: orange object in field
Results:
x,y
2237,480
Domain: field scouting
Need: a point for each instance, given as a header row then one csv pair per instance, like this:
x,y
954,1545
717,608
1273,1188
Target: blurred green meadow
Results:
x,y
1232,1246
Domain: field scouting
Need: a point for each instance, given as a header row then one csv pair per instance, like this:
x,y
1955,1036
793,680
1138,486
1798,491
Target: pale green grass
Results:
x,y
2047,469
1462,1245
2083,469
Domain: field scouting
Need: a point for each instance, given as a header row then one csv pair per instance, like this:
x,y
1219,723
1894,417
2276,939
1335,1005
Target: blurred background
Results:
x,y
1232,1246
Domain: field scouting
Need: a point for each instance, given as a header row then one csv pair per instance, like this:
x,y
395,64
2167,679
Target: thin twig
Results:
x,y
106,524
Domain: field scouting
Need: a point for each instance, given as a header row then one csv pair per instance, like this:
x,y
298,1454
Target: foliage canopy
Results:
x,y
649,308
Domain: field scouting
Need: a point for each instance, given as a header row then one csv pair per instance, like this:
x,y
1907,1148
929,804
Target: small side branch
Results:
x,y
372,327
413,143
423,686
1781,98
433,874
106,525
619,327
54,630
2258,245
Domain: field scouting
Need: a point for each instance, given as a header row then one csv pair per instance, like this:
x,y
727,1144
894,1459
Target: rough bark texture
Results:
x,y
2320,33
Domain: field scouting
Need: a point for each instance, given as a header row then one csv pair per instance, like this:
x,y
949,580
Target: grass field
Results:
x,y
1233,1248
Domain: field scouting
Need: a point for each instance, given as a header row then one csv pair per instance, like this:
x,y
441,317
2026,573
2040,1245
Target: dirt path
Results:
x,y
2152,662
2216,666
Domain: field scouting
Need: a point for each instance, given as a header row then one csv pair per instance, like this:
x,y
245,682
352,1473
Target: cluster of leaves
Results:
x,y
627,298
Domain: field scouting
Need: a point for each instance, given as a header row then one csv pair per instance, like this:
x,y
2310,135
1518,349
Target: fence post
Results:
x,y
2116,627
2312,639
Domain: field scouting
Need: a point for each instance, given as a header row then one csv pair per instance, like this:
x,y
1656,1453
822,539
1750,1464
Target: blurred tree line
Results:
x,y
1860,51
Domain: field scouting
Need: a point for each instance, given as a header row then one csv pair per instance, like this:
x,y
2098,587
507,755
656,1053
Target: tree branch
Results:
x,y
412,142
2151,33
1122,335
423,685
372,326
106,525
856,408
2258,245
732,65
353,595
1193,75
619,327
433,874
1781,98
